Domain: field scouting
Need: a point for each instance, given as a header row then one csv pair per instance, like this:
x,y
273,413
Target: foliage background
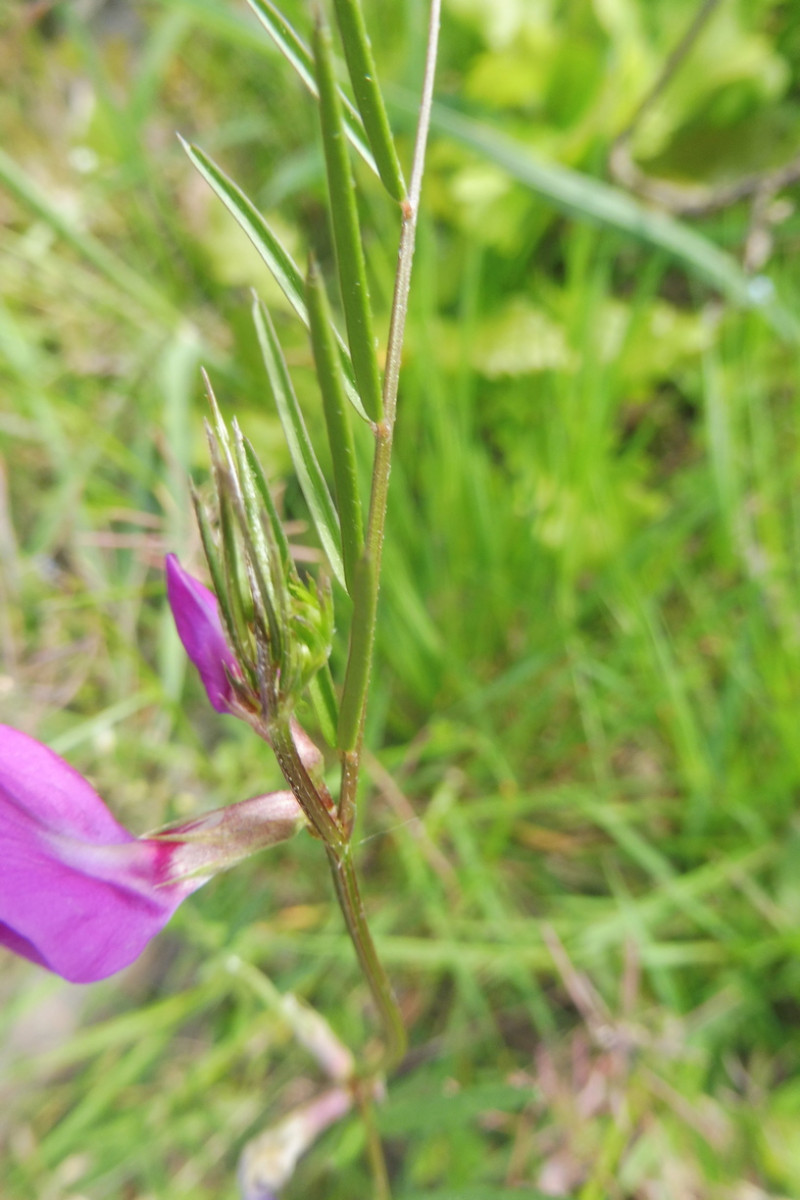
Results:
x,y
580,839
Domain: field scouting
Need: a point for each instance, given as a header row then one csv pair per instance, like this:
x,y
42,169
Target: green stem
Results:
x,y
335,830
321,819
380,1175
339,851
365,593
347,793
349,896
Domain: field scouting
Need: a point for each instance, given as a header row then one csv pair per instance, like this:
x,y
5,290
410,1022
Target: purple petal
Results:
x,y
78,893
197,620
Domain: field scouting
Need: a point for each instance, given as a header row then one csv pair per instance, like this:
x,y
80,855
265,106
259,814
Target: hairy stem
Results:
x,y
339,850
345,881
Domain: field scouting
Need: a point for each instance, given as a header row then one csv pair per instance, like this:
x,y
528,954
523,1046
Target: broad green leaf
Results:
x,y
346,230
304,459
337,420
364,79
272,251
298,54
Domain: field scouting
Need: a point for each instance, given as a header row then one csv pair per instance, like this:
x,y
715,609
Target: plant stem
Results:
x,y
380,1175
365,598
336,831
349,896
321,819
339,850
365,593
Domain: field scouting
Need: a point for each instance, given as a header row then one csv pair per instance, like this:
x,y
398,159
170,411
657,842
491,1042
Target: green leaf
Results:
x,y
359,662
262,554
323,699
593,199
278,532
337,419
286,272
274,254
298,54
134,285
231,584
214,566
363,77
346,230
305,462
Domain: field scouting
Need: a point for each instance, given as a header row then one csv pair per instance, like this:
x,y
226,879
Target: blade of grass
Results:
x,y
337,419
304,459
346,230
28,192
582,196
271,250
369,98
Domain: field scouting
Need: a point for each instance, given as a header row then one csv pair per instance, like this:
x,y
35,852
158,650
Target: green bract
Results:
x,y
279,625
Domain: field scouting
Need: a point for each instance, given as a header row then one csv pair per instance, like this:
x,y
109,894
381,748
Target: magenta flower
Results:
x,y
199,626
197,620
81,895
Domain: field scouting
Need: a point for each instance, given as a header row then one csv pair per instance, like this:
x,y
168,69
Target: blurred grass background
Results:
x,y
580,834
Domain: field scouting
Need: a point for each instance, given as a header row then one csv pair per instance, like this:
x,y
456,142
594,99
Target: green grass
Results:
x,y
579,836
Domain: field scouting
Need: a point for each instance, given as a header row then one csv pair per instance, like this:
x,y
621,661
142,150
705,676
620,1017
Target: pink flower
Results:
x,y
81,895
197,620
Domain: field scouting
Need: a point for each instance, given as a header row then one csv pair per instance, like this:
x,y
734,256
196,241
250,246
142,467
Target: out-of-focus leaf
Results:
x,y
592,199
29,193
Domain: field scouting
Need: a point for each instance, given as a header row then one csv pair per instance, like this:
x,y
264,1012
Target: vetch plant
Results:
x,y
78,893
